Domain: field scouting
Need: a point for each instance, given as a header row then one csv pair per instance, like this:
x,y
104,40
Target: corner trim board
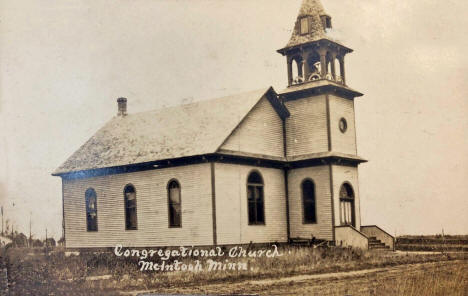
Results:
x,y
286,182
332,202
327,102
213,203
63,213
286,194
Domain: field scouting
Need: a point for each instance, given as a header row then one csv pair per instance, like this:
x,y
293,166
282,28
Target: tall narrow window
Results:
x,y
131,222
174,198
347,215
304,25
256,209
91,210
308,201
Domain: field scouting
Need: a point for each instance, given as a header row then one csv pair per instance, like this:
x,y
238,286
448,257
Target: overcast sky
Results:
x,y
63,64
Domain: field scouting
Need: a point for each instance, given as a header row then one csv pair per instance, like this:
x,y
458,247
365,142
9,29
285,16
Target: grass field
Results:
x,y
31,272
422,279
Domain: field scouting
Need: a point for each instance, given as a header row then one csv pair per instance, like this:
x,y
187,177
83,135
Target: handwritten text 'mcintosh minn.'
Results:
x,y
211,259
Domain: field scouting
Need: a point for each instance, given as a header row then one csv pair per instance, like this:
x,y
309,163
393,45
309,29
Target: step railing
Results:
x,y
380,234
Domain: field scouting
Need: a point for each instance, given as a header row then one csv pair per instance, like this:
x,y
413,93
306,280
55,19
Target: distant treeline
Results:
x,y
20,240
432,243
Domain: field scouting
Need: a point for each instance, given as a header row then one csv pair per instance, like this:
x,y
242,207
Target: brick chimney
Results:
x,y
122,106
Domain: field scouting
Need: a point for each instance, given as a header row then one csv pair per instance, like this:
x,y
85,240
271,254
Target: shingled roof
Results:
x,y
312,9
187,130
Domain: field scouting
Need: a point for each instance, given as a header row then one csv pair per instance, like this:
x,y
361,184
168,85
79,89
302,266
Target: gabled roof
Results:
x,y
312,9
187,130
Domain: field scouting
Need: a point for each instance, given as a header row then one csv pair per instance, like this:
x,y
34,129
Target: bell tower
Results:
x,y
320,132
317,91
310,54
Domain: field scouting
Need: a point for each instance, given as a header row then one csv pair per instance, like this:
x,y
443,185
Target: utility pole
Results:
x,y
2,220
30,237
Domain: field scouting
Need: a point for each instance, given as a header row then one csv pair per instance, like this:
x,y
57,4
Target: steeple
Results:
x,y
309,25
311,50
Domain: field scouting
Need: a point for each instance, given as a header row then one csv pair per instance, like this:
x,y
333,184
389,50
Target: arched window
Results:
x,y
256,207
308,201
347,216
91,210
294,71
313,63
297,70
329,65
174,202
131,222
338,69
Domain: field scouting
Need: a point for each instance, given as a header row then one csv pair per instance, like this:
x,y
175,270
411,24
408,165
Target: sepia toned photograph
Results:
x,y
234,147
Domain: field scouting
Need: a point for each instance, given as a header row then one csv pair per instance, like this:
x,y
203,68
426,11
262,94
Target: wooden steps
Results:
x,y
375,244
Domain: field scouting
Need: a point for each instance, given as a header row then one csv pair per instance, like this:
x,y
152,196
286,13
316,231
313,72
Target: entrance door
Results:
x,y
347,216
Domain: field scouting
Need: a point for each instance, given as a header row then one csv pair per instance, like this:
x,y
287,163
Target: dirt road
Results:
x,y
439,278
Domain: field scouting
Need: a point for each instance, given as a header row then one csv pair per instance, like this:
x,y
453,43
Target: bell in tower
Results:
x,y
311,54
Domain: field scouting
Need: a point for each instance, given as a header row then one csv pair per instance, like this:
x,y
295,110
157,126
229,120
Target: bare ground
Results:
x,y
435,278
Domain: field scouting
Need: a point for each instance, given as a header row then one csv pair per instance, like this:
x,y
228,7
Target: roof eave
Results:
x,y
277,104
286,49
318,87
209,157
128,168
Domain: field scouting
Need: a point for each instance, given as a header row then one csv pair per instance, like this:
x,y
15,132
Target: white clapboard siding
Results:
x,y
342,108
320,175
306,128
342,174
152,209
261,132
231,205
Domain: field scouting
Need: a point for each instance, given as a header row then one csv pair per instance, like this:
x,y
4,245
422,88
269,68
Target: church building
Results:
x,y
256,167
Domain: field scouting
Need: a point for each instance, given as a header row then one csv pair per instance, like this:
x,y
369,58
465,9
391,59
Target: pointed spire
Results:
x,y
310,24
311,7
